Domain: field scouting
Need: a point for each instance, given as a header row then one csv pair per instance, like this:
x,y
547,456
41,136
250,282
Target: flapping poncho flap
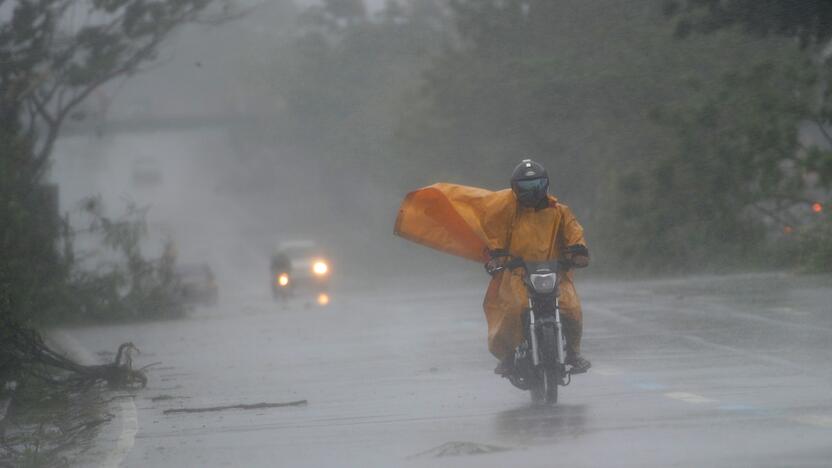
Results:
x,y
456,219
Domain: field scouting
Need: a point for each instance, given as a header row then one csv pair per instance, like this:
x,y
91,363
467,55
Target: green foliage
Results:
x,y
46,421
50,67
737,163
573,85
50,64
783,175
814,246
809,21
32,273
121,283
41,282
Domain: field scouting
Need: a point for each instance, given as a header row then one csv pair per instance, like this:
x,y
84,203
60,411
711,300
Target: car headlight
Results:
x,y
320,268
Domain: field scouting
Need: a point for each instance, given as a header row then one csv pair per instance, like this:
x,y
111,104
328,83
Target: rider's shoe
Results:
x,y
579,364
505,367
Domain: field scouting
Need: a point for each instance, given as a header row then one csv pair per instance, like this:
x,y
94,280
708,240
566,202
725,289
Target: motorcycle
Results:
x,y
539,362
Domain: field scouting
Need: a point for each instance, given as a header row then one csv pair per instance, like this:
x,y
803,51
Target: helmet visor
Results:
x,y
531,185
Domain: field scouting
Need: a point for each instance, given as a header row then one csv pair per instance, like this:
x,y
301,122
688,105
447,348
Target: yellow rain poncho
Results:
x,y
469,222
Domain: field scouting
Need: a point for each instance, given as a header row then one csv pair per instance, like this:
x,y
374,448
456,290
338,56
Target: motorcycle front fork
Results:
x,y
558,335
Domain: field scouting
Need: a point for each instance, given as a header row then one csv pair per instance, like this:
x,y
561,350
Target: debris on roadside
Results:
x,y
162,398
26,348
47,426
240,406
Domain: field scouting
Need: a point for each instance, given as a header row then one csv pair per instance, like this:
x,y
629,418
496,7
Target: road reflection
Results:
x,y
532,422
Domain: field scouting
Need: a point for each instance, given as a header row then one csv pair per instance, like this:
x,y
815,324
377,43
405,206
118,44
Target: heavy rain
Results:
x,y
417,233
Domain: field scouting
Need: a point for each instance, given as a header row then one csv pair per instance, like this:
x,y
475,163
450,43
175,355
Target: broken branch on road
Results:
x,y
241,406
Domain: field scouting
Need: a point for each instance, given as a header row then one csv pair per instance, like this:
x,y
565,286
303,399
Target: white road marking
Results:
x,y
818,420
688,397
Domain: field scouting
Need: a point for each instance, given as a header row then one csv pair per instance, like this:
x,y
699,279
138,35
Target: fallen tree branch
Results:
x,y
242,406
26,348
149,365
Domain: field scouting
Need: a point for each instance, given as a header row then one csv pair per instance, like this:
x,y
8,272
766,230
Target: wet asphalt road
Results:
x,y
732,371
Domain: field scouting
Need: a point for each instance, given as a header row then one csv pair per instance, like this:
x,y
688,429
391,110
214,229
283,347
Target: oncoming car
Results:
x,y
300,268
197,284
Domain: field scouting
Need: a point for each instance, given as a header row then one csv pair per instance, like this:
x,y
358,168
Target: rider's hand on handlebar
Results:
x,y
575,256
579,261
565,264
495,265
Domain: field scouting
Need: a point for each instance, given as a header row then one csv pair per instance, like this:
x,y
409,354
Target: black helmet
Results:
x,y
530,183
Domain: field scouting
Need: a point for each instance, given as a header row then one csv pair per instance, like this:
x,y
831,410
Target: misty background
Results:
x,y
312,121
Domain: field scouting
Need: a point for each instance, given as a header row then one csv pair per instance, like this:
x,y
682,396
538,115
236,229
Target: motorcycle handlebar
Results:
x,y
492,267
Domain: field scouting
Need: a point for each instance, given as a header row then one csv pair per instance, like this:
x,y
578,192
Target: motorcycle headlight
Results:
x,y
283,279
543,284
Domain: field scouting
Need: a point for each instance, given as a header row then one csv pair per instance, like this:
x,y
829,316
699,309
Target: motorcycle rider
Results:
x,y
541,229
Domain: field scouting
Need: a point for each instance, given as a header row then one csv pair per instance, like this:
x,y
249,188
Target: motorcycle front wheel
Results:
x,y
551,379
545,389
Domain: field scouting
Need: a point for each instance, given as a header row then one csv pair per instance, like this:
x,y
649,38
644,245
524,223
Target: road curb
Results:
x,y
126,415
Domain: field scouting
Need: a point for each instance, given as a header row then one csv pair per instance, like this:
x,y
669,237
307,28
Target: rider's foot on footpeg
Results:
x,y
505,367
579,364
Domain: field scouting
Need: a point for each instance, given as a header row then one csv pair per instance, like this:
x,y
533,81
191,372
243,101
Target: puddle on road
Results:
x,y
452,449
